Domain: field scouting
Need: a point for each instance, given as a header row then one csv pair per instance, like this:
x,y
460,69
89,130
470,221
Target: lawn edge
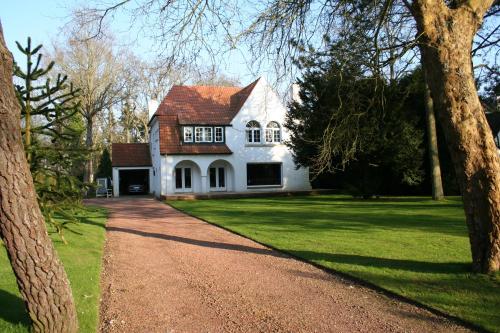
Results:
x,y
102,263
349,277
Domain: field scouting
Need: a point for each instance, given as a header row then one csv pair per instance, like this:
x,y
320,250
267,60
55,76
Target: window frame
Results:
x,y
280,164
184,134
253,132
272,132
203,135
222,134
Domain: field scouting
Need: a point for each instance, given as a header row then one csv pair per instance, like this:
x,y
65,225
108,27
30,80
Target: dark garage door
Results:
x,y
134,177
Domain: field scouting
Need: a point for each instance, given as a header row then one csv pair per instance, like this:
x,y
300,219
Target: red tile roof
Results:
x,y
198,105
204,105
130,154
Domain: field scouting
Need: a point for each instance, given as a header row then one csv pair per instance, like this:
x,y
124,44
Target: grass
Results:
x,y
82,262
414,247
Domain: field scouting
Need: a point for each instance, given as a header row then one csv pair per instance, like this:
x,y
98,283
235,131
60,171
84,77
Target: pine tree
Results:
x,y
105,168
52,133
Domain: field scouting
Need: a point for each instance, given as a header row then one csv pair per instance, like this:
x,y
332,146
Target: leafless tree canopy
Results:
x,y
194,31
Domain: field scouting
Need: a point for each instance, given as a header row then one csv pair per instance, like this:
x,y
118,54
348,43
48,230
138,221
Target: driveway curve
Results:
x,y
165,271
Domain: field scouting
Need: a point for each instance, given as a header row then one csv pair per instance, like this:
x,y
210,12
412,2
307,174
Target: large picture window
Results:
x,y
263,174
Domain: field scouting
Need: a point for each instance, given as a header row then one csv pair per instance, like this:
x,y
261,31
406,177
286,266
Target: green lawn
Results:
x,y
414,247
82,261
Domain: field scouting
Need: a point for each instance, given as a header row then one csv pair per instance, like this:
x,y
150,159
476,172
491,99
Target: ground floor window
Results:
x,y
261,174
217,178
182,178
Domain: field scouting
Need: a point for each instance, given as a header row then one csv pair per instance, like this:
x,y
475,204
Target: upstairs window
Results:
x,y
203,134
253,132
199,134
273,132
188,134
219,134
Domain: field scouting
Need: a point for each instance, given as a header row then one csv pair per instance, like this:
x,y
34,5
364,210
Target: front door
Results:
x,y
217,179
183,180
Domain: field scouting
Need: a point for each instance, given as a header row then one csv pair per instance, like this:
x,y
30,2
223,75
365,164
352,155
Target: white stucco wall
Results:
x,y
156,158
263,105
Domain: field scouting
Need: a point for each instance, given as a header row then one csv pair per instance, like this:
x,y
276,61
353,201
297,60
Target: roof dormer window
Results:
x,y
219,134
203,134
188,134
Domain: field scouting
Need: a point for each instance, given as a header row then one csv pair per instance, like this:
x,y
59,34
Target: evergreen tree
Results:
x,y
52,131
105,169
373,142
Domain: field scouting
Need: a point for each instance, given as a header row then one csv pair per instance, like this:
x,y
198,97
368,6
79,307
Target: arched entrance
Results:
x,y
187,177
220,176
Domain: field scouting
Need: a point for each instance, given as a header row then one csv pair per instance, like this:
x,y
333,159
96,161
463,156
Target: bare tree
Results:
x,y
95,68
40,275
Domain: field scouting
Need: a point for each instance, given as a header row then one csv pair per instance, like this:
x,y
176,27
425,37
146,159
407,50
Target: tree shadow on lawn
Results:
x,y
353,203
12,309
355,221
397,264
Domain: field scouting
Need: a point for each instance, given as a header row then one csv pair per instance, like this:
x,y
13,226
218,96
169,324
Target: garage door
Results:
x,y
134,182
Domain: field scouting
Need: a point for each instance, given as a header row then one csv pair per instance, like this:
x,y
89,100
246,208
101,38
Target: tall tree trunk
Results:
x,y
40,276
88,174
430,119
446,36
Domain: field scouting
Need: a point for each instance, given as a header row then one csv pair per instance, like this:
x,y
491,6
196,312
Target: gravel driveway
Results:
x,y
165,271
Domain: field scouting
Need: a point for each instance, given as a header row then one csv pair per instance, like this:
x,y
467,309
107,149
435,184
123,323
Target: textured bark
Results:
x,y
430,119
40,276
446,36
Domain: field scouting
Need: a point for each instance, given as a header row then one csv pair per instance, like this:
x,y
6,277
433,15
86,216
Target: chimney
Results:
x,y
152,106
294,93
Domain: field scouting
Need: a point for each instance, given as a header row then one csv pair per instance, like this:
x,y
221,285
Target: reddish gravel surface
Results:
x,y
165,271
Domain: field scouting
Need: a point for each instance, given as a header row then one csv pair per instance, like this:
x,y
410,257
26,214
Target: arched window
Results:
x,y
273,132
253,132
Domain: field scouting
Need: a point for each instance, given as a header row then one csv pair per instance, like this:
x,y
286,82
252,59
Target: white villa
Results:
x,y
211,139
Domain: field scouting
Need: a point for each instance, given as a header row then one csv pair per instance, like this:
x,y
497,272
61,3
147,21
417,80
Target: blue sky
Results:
x,y
38,19
42,21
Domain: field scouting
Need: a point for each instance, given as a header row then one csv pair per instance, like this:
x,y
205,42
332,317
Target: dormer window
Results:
x,y
203,134
253,132
273,132
219,134
188,134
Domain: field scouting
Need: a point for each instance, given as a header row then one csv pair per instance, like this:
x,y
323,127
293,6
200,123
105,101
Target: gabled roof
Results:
x,y
204,105
198,105
130,154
